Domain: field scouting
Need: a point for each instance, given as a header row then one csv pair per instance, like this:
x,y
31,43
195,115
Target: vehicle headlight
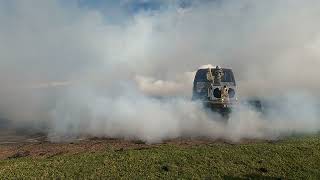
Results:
x,y
231,93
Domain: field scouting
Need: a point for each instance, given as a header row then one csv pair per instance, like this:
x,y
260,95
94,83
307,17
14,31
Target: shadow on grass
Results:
x,y
252,176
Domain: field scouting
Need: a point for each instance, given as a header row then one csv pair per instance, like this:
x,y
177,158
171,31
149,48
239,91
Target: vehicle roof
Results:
x,y
215,68
212,67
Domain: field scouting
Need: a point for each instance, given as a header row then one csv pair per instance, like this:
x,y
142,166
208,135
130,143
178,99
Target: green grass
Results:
x,y
294,158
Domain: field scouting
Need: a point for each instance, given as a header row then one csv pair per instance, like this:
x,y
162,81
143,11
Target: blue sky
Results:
x,y
120,10
131,6
135,6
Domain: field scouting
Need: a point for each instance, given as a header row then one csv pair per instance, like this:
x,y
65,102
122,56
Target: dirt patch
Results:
x,y
19,154
14,145
47,149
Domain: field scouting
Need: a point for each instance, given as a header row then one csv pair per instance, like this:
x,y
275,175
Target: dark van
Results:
x,y
215,87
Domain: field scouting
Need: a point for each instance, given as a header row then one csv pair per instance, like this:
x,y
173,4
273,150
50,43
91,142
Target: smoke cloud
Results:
x,y
78,71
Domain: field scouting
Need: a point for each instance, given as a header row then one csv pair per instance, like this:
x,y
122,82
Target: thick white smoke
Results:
x,y
77,72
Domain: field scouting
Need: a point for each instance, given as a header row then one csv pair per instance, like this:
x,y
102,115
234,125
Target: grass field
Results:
x,y
293,158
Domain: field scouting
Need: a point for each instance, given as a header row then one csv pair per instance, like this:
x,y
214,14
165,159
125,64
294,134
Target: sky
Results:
x,y
121,10
133,6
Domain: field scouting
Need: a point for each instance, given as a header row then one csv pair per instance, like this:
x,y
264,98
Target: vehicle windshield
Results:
x,y
227,76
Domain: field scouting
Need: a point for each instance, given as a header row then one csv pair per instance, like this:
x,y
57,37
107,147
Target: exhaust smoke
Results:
x,y
74,71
